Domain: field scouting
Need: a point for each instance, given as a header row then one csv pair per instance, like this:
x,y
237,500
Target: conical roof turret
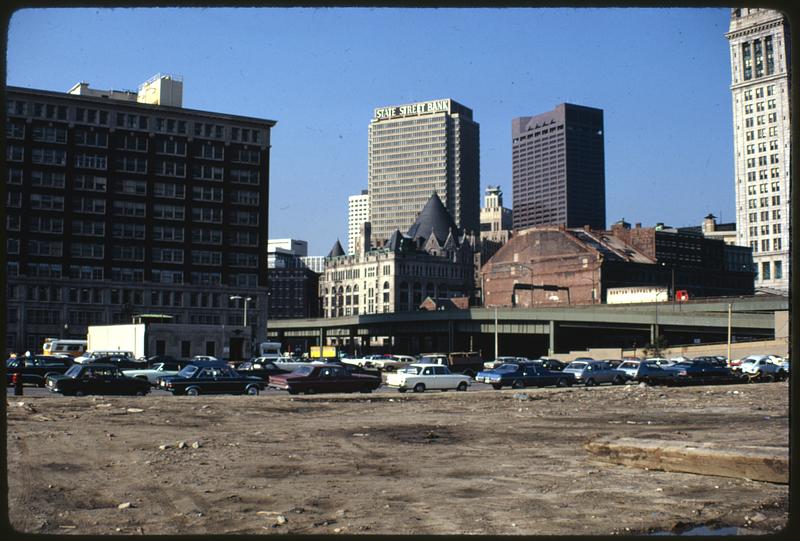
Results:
x,y
433,219
337,250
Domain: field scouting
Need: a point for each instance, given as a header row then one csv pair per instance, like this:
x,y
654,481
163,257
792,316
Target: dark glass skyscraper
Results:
x,y
559,168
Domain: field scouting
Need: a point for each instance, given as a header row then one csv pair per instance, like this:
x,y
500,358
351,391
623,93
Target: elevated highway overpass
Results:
x,y
538,331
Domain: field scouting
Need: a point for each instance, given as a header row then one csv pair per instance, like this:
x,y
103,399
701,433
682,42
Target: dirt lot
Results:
x,y
435,463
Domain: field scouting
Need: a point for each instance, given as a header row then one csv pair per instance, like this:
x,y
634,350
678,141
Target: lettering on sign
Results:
x,y
413,109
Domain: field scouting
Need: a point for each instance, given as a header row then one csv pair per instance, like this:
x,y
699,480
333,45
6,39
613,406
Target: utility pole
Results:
x,y
495,332
730,308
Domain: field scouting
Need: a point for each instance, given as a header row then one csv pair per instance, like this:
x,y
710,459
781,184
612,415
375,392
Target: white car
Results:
x,y
361,362
150,374
421,377
763,367
392,362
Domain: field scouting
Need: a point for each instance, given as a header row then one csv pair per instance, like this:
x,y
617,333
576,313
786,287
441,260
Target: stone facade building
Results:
x,y
760,46
432,259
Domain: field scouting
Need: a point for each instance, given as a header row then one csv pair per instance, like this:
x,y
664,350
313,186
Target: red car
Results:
x,y
324,378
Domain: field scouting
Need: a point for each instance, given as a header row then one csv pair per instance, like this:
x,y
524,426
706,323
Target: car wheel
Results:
x,y
44,381
462,386
292,391
419,388
517,384
590,382
252,390
497,386
79,393
617,380
561,382
770,377
141,392
192,391
311,390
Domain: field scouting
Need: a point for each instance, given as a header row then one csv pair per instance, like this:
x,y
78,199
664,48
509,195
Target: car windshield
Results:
x,y
629,364
188,371
158,366
410,370
303,370
508,367
73,371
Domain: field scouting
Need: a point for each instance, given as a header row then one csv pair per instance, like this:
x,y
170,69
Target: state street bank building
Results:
x,y
418,149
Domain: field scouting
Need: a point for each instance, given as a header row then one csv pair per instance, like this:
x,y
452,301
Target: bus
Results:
x,y
60,346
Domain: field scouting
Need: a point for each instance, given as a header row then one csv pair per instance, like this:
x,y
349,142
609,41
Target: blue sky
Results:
x,y
661,76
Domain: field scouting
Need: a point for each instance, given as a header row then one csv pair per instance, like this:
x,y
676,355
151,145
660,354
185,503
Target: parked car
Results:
x,y
123,362
96,354
491,365
736,364
156,371
701,372
420,377
468,363
392,362
551,364
36,368
519,375
361,362
210,377
325,378
763,367
648,372
96,378
595,372
168,359
261,368
716,360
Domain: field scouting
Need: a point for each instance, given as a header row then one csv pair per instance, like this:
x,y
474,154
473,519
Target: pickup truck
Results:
x,y
468,363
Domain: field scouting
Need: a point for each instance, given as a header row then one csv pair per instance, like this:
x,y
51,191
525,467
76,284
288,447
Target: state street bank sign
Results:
x,y
413,109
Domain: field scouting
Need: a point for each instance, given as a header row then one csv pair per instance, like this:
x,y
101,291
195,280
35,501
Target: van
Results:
x,y
58,346
271,350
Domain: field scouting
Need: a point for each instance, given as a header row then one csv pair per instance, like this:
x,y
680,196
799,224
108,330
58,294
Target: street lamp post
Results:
x,y
246,300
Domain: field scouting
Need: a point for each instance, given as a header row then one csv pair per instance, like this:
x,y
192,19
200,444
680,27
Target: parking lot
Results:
x,y
479,462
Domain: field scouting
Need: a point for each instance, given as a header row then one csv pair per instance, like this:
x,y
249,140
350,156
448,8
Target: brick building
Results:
x,y
556,265
121,204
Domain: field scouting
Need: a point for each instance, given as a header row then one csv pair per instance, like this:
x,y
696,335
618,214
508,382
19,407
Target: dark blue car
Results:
x,y
519,375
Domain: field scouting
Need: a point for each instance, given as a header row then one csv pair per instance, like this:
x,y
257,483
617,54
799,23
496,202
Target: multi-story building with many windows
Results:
x,y
558,168
419,149
116,207
760,86
357,214
432,259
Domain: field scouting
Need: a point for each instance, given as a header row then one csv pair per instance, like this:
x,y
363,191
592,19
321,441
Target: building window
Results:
x,y
169,212
90,183
130,208
765,270
87,138
778,270
126,252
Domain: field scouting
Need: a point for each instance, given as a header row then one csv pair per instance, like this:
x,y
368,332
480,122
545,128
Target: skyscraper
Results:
x,y
558,168
419,149
357,214
759,43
